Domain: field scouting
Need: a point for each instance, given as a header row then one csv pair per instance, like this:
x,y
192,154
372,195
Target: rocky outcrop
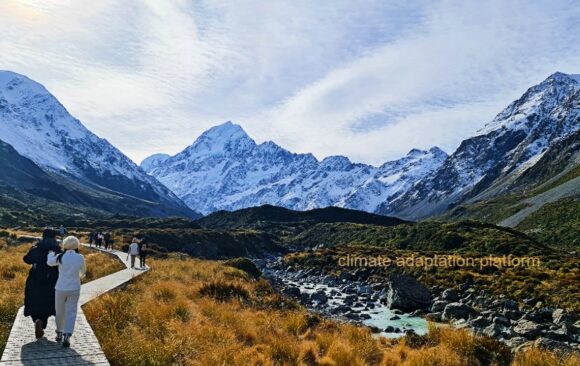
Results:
x,y
407,294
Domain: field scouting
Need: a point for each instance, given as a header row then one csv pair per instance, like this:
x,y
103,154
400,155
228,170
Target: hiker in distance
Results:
x,y
63,231
108,238
71,267
39,291
133,251
142,253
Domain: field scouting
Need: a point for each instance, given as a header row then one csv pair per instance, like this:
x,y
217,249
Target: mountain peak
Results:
x,y
416,152
224,138
16,87
563,77
435,150
226,131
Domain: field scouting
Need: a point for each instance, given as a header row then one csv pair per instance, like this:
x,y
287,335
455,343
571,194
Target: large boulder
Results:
x,y
457,310
407,294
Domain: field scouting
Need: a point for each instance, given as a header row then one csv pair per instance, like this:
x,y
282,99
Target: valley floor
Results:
x,y
198,312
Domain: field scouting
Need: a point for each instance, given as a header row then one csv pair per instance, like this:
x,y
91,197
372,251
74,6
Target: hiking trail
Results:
x,y
23,348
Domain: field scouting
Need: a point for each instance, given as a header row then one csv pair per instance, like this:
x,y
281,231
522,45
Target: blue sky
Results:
x,y
366,79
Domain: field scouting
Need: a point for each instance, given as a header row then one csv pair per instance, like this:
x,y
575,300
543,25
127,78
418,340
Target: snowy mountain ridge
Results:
x,y
510,144
224,169
39,127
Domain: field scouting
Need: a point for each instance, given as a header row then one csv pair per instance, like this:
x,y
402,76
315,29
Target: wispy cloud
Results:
x,y
367,79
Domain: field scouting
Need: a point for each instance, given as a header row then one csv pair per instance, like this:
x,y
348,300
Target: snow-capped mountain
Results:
x,y
224,169
39,128
484,165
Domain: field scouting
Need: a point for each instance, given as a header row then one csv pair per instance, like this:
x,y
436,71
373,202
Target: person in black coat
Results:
x,y
39,291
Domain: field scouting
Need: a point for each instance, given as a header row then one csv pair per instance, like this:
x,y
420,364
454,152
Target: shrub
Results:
x,y
246,265
224,292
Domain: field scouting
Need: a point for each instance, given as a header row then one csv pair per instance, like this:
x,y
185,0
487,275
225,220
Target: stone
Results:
x,y
450,295
527,329
479,322
501,320
407,294
457,310
552,345
439,305
364,290
319,297
561,316
292,291
515,342
510,304
494,330
512,314
560,334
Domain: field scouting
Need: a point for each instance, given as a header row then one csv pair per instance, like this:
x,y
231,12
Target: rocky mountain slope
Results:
x,y
39,128
495,161
224,169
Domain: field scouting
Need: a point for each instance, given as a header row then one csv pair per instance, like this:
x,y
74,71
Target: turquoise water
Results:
x,y
380,315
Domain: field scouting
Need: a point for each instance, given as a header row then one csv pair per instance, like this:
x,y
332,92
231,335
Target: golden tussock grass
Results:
x,y
195,312
13,274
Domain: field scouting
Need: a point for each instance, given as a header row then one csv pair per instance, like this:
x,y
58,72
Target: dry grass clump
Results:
x,y
13,274
536,357
195,312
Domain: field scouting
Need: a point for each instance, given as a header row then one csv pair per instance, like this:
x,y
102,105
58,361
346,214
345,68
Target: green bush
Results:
x,y
246,265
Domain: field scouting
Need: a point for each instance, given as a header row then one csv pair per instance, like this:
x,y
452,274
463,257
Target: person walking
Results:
x,y
62,231
39,289
142,252
133,251
99,239
91,239
71,267
108,241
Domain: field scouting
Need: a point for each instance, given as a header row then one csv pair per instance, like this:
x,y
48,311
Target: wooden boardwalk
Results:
x,y
23,348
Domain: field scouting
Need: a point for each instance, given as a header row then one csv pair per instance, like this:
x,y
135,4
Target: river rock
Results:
x,y
450,295
515,342
319,297
439,305
501,320
479,322
560,334
292,291
407,294
550,344
494,330
457,310
527,329
510,304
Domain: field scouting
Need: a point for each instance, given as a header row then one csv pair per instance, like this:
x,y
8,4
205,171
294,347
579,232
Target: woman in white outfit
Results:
x,y
71,268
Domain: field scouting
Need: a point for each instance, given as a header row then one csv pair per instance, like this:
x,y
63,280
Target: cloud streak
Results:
x,y
367,79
